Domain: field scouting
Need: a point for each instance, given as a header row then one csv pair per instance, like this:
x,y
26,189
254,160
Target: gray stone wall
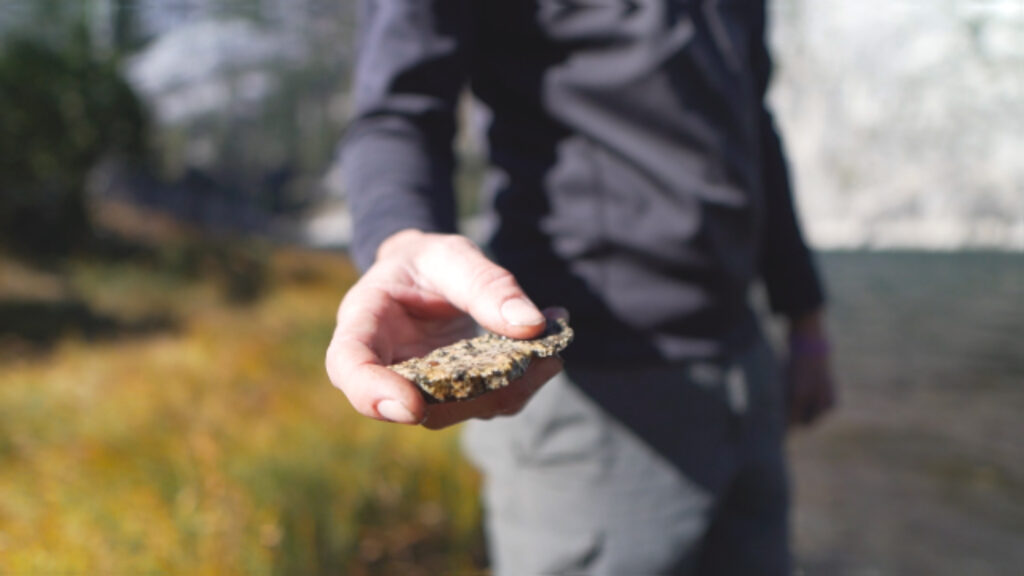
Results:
x,y
904,120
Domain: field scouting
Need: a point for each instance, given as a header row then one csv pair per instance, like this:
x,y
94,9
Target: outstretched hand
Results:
x,y
426,291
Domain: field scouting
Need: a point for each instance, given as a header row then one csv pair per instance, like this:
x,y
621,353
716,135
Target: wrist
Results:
x,y
812,322
807,335
808,345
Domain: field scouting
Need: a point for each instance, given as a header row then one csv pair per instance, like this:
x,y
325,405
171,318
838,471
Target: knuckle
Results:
x,y
330,365
491,278
341,378
361,404
441,250
456,243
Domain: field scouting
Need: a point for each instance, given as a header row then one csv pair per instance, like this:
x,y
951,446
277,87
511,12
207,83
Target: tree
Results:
x,y
61,109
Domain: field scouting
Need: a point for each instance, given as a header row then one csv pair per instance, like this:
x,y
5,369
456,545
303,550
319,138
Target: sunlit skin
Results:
x,y
425,291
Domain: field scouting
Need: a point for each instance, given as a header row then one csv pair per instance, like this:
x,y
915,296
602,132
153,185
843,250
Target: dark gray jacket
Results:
x,y
636,172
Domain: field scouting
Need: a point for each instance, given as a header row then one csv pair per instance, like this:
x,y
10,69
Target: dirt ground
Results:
x,y
921,471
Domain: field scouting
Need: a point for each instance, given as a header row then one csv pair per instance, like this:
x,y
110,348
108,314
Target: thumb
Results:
x,y
457,270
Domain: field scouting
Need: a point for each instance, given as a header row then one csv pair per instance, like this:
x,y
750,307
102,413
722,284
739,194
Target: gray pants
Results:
x,y
668,470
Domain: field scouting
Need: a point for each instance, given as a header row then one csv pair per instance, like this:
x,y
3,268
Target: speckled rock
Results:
x,y
468,368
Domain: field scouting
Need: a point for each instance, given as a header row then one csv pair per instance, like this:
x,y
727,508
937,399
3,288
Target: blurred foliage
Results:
x,y
276,151
62,108
64,105
276,146
213,445
163,402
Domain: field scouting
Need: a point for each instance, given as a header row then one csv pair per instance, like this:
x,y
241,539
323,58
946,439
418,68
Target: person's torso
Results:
x,y
625,144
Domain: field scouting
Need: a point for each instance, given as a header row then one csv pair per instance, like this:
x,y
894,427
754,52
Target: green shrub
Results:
x,y
61,110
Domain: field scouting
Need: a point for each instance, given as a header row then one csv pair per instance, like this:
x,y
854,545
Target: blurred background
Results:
x,y
172,234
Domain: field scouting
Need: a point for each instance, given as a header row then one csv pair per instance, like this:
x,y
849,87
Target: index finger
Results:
x,y
355,367
372,389
456,269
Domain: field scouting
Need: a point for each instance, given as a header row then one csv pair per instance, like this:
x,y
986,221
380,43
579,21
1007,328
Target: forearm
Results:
x,y
787,267
397,156
396,182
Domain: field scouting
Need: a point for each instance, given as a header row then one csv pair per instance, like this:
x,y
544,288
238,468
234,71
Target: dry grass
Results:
x,y
209,440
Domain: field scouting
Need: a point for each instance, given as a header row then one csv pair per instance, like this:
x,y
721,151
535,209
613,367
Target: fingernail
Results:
x,y
519,312
395,411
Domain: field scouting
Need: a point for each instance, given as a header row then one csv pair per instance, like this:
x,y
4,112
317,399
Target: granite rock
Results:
x,y
471,367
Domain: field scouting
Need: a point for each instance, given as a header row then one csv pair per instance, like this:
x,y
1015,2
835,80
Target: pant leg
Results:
x,y
749,532
571,487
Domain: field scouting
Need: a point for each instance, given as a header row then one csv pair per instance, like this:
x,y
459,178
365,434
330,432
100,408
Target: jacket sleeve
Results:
x,y
397,154
786,264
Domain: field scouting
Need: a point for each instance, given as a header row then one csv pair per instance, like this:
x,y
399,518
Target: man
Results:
x,y
638,181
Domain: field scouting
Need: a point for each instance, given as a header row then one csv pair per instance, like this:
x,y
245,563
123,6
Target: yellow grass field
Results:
x,y
169,414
